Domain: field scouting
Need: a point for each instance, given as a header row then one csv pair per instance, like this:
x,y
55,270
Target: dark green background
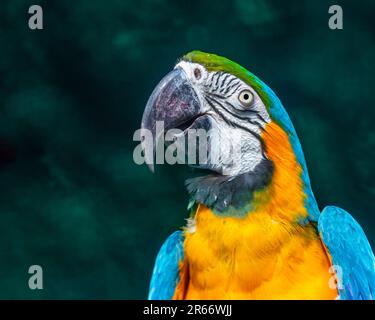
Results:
x,y
71,198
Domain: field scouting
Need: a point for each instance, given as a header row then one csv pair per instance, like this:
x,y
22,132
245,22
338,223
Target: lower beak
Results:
x,y
174,102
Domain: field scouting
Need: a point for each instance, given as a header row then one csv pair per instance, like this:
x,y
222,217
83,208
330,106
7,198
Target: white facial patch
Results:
x,y
236,126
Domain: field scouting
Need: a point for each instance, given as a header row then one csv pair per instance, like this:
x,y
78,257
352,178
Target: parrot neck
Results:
x,y
277,184
230,195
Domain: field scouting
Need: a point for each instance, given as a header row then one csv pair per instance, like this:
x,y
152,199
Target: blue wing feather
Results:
x,y
165,276
350,251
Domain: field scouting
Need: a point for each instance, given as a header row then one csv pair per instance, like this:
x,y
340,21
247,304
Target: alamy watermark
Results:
x,y
36,280
192,146
36,18
336,20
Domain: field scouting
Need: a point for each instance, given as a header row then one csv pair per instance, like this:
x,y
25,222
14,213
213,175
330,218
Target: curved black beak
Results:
x,y
173,103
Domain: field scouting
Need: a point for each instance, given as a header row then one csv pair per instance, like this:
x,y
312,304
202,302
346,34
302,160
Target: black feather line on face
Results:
x,y
225,79
217,80
211,101
245,112
232,90
228,84
211,104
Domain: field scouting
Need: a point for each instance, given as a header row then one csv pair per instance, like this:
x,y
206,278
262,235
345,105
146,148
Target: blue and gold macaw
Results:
x,y
256,231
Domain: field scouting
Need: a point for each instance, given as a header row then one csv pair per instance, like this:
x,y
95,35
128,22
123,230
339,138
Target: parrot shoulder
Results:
x,y
350,251
165,276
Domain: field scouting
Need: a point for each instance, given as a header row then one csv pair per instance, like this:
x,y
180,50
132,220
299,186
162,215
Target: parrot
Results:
x,y
255,230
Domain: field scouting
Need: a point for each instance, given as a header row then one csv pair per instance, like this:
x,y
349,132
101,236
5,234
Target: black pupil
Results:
x,y
246,96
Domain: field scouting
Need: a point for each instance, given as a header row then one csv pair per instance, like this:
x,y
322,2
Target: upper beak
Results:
x,y
173,101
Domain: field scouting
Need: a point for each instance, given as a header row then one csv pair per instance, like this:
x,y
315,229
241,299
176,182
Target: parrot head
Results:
x,y
211,93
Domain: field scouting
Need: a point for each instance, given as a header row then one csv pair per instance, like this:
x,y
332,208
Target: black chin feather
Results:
x,y
222,193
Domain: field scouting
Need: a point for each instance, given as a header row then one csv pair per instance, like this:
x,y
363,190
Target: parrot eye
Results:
x,y
246,98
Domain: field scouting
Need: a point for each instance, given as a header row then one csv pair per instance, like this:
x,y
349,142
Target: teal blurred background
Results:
x,y
71,198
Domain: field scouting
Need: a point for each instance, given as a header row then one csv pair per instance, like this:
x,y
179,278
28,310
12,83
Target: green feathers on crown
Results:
x,y
213,62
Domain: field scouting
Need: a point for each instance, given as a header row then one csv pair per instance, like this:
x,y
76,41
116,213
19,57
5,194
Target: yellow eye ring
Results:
x,y
246,98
